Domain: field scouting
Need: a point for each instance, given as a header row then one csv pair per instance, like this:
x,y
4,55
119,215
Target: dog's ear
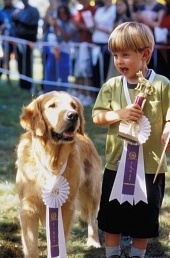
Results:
x,y
31,118
82,120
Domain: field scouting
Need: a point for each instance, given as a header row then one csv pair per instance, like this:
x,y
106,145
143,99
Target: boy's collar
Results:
x,y
132,86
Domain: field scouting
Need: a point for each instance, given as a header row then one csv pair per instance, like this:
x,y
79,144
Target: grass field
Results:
x,y
11,101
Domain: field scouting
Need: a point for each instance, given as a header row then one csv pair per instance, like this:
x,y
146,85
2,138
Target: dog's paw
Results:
x,y
93,242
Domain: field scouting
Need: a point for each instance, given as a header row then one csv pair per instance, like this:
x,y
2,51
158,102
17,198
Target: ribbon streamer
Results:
x,y
54,194
140,186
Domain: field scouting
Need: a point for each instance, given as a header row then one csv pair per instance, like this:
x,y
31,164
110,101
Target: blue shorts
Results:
x,y
137,221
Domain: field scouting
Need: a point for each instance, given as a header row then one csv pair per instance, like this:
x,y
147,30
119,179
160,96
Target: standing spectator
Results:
x,y
47,28
122,12
164,28
165,23
83,64
135,6
26,26
7,29
58,58
150,13
51,12
104,19
83,24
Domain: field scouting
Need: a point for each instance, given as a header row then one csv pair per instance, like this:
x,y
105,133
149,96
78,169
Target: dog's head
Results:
x,y
57,116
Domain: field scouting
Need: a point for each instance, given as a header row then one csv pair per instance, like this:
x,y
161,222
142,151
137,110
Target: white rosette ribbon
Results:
x,y
54,195
56,191
140,130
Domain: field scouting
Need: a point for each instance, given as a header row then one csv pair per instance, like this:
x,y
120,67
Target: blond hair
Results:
x,y
131,36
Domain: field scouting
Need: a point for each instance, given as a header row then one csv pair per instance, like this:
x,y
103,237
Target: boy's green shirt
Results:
x,y
157,109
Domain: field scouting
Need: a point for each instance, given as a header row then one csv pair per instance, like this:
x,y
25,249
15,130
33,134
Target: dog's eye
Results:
x,y
52,105
73,105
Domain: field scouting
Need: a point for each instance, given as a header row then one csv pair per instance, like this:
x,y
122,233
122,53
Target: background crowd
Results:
x,y
88,25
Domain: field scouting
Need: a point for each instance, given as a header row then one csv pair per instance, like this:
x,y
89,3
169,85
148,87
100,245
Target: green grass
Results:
x,y
12,99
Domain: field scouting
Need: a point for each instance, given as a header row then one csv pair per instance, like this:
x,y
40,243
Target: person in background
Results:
x,y
83,20
135,6
83,73
47,28
104,20
122,12
7,29
164,53
165,22
50,12
57,67
131,44
150,13
26,27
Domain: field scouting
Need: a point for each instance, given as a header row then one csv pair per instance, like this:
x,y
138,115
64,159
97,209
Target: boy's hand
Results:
x,y
165,136
131,112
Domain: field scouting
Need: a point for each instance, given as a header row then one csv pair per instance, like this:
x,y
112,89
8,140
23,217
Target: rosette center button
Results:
x,y
55,191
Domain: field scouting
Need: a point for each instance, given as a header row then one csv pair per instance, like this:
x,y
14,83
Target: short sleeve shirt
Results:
x,y
157,109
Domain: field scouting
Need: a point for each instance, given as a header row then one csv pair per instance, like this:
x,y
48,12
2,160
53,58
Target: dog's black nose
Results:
x,y
72,116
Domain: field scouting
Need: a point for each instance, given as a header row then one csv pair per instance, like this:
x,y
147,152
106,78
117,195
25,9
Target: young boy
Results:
x,y
132,44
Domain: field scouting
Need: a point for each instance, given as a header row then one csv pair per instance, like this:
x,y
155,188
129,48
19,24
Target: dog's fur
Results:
x,y
55,135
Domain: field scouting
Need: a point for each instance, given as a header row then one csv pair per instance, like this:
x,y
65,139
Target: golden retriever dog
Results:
x,y
54,125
